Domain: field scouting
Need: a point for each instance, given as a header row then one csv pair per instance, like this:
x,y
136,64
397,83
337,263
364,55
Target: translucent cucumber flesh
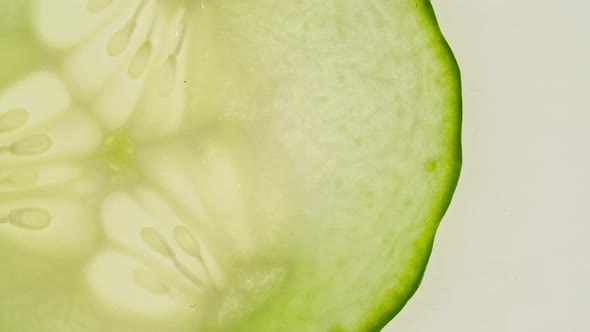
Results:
x,y
220,165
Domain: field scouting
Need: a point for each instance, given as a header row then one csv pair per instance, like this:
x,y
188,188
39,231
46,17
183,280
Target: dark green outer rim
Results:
x,y
389,309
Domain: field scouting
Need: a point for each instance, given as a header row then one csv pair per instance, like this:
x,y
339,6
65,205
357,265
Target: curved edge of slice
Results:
x,y
387,310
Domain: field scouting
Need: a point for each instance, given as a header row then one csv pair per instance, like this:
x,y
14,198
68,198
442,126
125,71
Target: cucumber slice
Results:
x,y
220,165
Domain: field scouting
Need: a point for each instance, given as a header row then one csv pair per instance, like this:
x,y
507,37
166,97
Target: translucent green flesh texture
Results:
x,y
220,165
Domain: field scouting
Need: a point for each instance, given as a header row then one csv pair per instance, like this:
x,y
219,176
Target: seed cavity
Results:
x,y
167,76
140,60
167,72
96,6
29,218
153,239
13,119
187,241
120,40
32,145
188,274
146,280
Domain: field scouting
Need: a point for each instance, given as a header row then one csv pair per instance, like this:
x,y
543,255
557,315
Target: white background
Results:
x,y
512,253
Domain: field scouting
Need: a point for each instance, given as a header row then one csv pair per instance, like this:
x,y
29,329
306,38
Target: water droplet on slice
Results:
x,y
156,242
13,119
31,145
146,280
140,60
96,6
120,40
187,241
30,218
167,76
